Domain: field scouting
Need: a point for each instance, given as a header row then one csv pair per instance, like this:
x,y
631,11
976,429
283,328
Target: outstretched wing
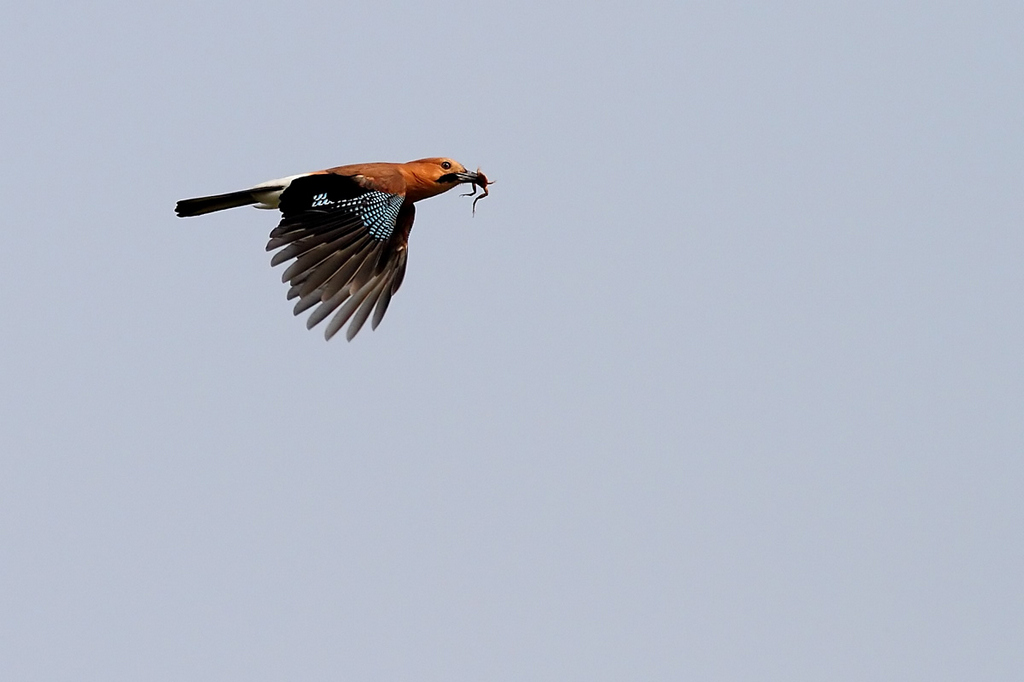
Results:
x,y
347,238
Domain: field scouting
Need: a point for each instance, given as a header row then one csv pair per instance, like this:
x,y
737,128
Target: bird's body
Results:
x,y
346,229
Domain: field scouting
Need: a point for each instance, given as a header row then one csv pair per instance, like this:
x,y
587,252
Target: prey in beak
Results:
x,y
477,179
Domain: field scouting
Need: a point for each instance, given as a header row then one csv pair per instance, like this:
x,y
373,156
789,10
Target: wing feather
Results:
x,y
345,242
346,311
344,276
383,302
301,247
334,263
326,307
359,319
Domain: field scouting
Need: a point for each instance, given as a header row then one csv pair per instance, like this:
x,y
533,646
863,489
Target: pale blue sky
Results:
x,y
724,380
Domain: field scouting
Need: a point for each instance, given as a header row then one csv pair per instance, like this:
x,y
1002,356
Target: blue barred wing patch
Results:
x,y
378,210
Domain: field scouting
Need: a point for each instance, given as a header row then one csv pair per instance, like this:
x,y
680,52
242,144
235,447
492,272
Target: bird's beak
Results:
x,y
467,176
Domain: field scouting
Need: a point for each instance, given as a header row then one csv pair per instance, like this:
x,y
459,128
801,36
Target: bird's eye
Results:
x,y
446,165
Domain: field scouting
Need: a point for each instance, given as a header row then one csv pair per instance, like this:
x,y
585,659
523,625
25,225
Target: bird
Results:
x,y
345,231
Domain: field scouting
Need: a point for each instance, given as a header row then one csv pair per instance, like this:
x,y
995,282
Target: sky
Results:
x,y
722,381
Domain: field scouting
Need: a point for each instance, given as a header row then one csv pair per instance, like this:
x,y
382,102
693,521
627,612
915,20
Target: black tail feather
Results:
x,y
217,202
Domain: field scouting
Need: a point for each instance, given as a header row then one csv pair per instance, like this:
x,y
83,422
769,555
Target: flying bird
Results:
x,y
346,231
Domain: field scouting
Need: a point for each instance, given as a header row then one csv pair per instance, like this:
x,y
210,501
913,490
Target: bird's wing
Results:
x,y
347,236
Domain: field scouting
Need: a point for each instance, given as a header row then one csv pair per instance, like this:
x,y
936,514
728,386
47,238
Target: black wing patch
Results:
x,y
349,249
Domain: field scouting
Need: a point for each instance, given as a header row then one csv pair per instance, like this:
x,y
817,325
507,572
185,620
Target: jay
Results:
x,y
345,231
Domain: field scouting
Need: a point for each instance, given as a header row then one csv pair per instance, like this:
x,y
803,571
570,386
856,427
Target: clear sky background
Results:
x,y
725,380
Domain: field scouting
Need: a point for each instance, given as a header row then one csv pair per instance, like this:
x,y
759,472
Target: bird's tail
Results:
x,y
217,202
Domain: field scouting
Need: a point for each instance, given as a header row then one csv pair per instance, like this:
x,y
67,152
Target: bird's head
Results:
x,y
429,177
